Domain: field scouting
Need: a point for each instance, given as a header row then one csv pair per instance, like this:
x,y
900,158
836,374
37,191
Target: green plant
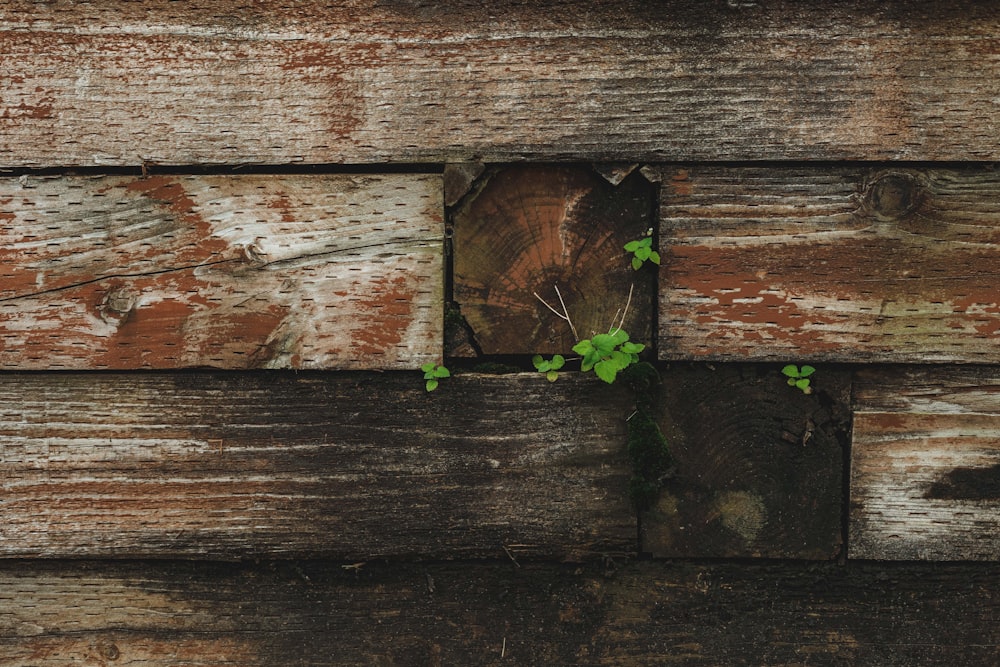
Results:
x,y
433,373
549,367
608,354
799,377
605,354
642,251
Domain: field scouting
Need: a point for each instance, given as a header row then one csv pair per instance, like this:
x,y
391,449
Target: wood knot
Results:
x,y
254,255
116,305
893,195
110,652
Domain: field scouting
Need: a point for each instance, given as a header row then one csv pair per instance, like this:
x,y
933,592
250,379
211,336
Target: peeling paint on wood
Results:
x,y
224,271
348,465
533,229
364,81
830,263
925,465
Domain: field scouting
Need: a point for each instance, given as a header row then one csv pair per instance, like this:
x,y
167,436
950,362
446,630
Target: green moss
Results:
x,y
644,380
650,457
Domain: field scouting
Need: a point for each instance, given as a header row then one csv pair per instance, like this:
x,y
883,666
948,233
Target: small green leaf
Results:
x,y
806,371
620,336
643,253
606,370
583,347
791,382
557,362
604,344
654,257
802,383
589,360
538,362
631,246
427,368
442,372
432,384
646,242
791,371
636,263
632,348
552,376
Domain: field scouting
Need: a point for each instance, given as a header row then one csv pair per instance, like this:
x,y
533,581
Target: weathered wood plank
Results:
x,y
759,465
370,81
353,466
925,465
300,271
532,230
296,614
830,263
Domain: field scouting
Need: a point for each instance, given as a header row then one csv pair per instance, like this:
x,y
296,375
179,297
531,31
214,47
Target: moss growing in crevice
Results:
x,y
647,446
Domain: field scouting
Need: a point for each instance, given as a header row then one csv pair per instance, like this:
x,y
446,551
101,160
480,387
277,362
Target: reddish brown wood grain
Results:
x,y
830,263
532,230
170,271
925,464
366,81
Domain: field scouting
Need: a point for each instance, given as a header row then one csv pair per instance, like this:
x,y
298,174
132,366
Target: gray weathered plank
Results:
x,y
365,81
681,613
300,271
830,263
925,465
349,465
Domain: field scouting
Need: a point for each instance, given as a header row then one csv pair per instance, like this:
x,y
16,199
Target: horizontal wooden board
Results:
x,y
224,82
353,466
925,467
297,614
534,233
758,465
836,263
252,271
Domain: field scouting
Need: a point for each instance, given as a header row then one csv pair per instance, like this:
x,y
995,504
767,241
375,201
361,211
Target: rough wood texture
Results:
x,y
295,271
830,263
759,465
532,229
925,467
353,466
645,614
224,82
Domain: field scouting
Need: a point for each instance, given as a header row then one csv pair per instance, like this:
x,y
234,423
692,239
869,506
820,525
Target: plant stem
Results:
x,y
564,314
623,312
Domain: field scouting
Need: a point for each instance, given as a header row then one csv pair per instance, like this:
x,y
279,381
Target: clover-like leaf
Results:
x,y
432,373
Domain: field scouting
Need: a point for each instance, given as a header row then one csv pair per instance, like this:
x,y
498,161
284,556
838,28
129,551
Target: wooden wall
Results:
x,y
231,233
